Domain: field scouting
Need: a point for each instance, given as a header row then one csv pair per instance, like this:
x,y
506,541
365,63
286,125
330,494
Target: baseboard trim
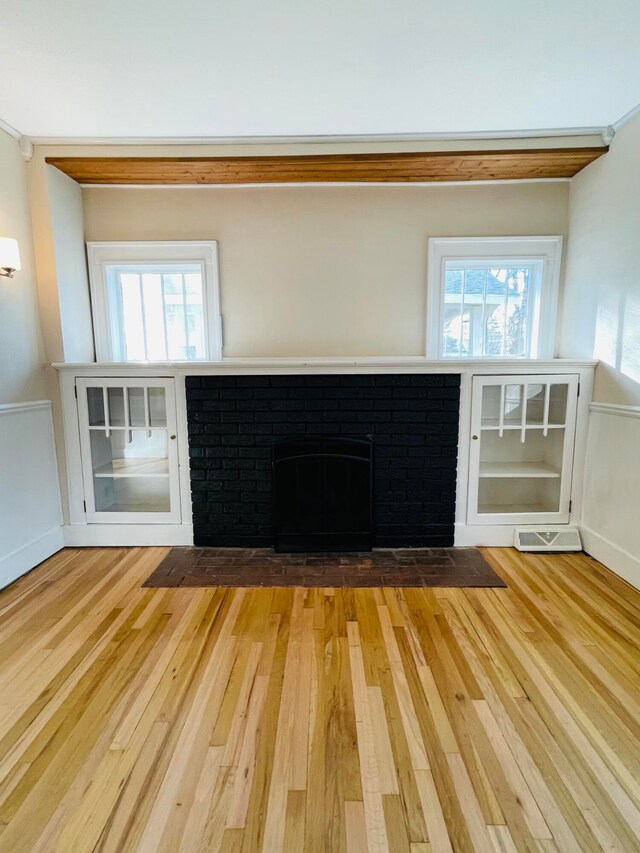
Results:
x,y
120,535
490,535
25,558
612,556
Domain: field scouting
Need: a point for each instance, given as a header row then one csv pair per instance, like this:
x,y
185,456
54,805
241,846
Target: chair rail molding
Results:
x,y
616,409
12,408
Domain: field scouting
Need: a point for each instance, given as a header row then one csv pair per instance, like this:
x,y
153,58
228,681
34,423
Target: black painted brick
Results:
x,y
235,420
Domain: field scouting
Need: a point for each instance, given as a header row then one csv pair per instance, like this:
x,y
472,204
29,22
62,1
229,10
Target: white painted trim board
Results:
x,y
615,409
126,535
12,408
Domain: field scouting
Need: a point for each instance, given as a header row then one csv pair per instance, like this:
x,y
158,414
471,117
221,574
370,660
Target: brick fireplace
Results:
x,y
235,421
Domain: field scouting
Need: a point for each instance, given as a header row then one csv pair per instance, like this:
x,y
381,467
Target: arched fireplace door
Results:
x,y
323,494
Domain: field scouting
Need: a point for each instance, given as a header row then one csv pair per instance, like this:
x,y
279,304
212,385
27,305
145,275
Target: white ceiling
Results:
x,y
206,68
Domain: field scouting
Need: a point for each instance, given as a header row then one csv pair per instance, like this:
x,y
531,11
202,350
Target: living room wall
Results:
x,y
601,305
601,319
21,349
30,523
324,270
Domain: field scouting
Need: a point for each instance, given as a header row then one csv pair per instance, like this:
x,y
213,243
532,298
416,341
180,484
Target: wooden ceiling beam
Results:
x,y
416,167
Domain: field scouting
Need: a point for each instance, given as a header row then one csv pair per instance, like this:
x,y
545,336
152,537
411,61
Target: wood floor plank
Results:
x,y
561,813
356,827
318,720
369,767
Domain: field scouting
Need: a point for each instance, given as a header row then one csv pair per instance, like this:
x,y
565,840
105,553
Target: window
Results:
x,y
492,297
155,301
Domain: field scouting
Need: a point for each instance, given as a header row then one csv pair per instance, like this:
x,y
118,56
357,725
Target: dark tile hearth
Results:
x,y
400,567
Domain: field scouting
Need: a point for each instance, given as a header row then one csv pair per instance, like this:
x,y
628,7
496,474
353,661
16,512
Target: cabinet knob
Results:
x,y
474,437
172,437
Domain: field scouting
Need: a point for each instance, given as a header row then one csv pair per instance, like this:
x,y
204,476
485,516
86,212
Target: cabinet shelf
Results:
x,y
513,509
130,428
518,469
495,425
120,468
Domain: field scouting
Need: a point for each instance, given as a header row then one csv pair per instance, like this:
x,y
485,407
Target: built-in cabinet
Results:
x,y
521,449
521,445
128,443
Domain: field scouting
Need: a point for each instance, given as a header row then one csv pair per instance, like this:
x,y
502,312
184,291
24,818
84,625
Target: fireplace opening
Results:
x,y
323,494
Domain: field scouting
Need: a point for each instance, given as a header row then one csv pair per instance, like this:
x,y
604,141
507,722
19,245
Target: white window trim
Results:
x,y
102,255
547,249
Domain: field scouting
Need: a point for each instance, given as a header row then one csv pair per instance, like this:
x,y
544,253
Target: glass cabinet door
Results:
x,y
129,451
521,449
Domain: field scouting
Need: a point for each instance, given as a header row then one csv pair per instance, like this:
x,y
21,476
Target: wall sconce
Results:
x,y
9,256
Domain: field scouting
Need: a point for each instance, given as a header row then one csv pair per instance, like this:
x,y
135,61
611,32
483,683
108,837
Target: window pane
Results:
x,y
185,315
174,298
95,404
491,405
494,313
172,287
132,317
154,316
160,312
195,314
516,312
157,407
513,401
558,404
115,402
535,403
193,286
453,319
486,311
137,407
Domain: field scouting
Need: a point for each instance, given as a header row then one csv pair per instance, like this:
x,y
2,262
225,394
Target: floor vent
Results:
x,y
547,539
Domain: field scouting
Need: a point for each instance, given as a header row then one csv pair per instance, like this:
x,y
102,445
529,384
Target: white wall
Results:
x,y
324,270
58,231
21,350
67,228
601,318
63,292
601,302
30,523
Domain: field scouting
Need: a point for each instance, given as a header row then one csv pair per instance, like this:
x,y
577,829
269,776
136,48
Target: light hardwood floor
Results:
x,y
318,720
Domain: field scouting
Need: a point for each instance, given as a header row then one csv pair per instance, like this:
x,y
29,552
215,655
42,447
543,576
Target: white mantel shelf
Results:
x,y
322,365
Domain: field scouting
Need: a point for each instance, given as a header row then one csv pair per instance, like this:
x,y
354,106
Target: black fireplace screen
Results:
x,y
323,494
